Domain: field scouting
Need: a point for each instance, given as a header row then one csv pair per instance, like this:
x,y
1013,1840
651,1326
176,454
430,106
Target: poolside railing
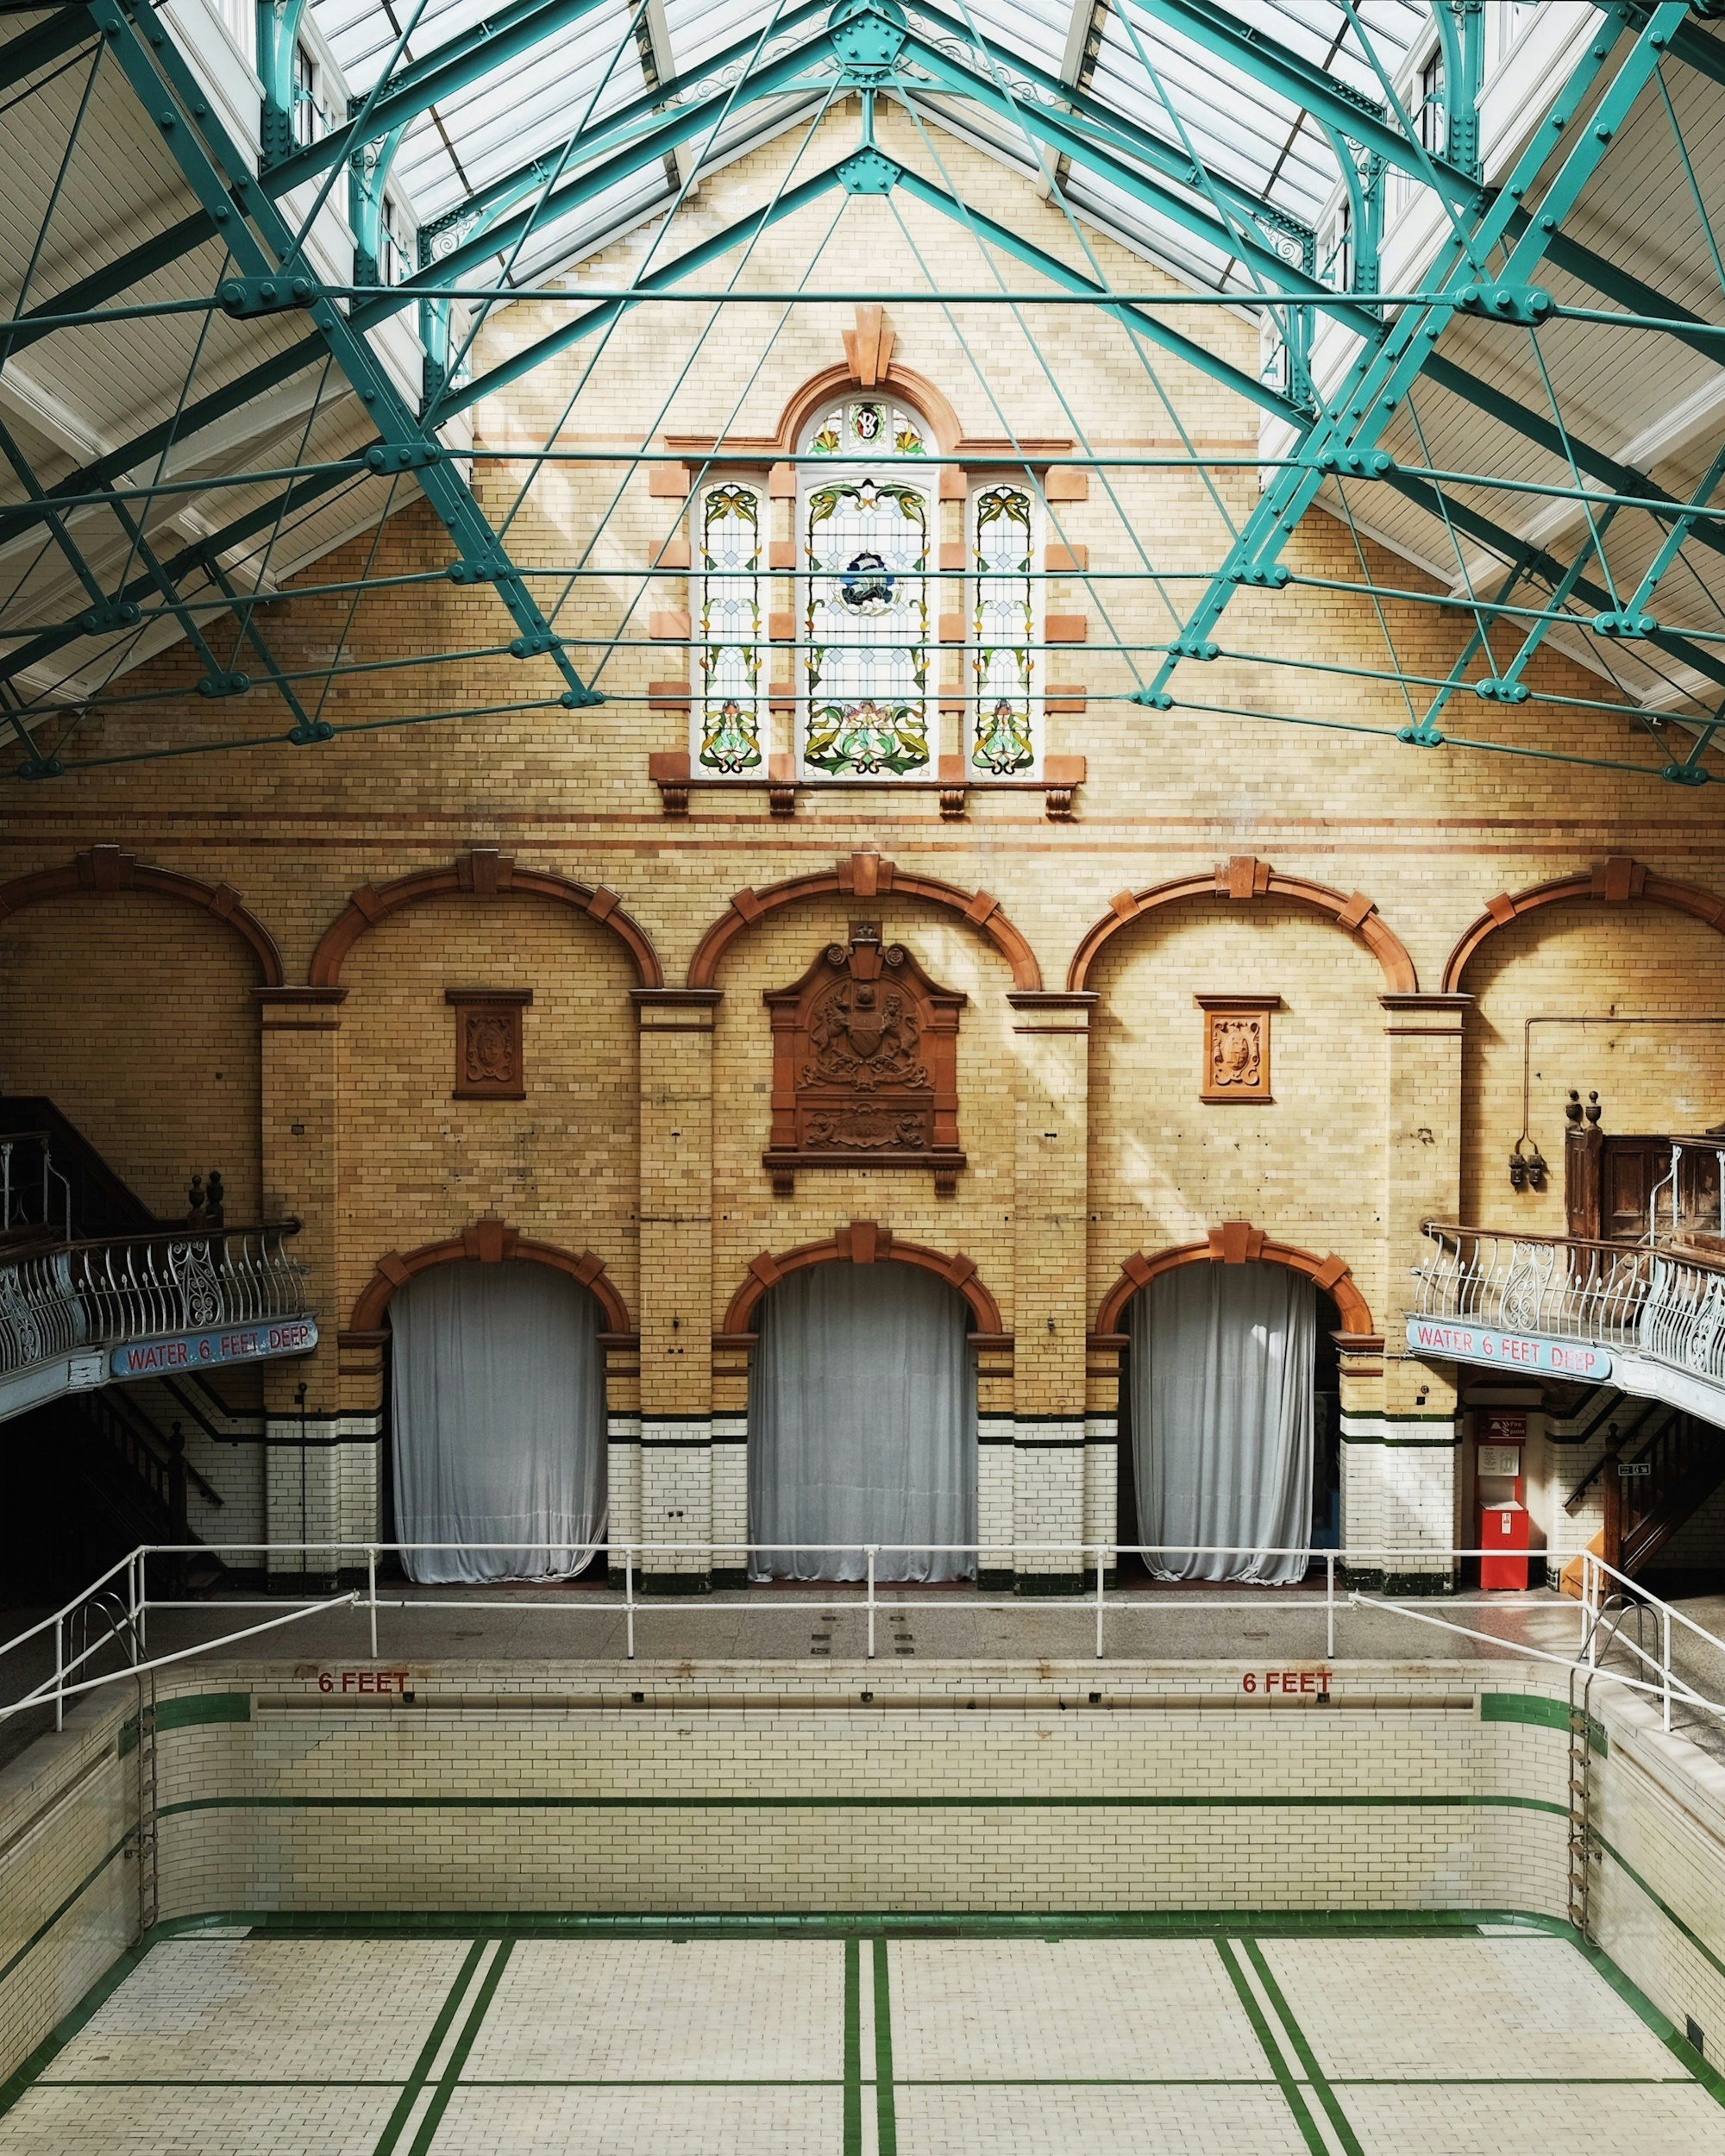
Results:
x,y
123,1602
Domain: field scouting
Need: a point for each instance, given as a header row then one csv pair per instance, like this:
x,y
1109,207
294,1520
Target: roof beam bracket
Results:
x,y
246,297
867,37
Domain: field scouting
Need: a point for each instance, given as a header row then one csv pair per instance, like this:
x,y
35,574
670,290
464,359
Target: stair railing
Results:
x,y
105,1293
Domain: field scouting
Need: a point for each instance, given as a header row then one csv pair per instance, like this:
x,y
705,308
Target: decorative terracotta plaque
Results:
x,y
865,1065
488,1065
1237,1047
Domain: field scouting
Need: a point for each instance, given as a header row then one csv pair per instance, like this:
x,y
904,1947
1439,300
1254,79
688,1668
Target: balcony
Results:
x,y
77,1315
1648,1318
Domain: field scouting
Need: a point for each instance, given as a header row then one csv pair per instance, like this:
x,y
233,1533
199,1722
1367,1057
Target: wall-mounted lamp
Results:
x,y
1527,1166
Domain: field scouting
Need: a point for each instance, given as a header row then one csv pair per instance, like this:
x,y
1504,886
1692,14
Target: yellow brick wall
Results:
x,y
418,1165
1429,834
136,1016
1583,959
1309,1168
748,1218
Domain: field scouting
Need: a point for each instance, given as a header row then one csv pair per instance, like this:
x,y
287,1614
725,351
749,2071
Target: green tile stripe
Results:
x,y
56,2041
901,2081
1291,2092
886,2109
394,2125
1687,2057
187,1711
1302,2051
458,2055
1292,1801
48,1922
1659,1903
853,2048
195,1708
1544,1713
1523,1707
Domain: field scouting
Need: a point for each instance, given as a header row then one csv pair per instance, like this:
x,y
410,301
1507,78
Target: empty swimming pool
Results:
x,y
1458,2038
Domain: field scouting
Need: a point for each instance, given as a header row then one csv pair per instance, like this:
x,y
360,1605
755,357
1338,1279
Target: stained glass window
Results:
x,y
868,426
729,631
1005,633
867,530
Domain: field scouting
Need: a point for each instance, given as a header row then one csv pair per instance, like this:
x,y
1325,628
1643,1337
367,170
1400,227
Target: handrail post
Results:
x,y
1665,1658
60,1672
1329,1605
372,1592
629,1597
1101,1559
871,1601
1594,1584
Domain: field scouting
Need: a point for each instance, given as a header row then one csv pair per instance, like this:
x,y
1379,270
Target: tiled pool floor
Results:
x,y
1468,2043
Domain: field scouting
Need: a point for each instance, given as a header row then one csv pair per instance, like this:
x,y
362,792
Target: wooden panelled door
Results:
x,y
1630,1170
1609,1184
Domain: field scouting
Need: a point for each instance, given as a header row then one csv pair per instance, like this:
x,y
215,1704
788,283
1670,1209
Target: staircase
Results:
x,y
101,1202
116,1454
136,1476
86,1200
1674,1463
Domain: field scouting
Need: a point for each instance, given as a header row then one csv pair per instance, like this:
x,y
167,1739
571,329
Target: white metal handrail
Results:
x,y
1657,1675
1658,1303
105,1294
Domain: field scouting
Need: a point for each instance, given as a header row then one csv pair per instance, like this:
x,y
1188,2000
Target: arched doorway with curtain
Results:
x,y
1230,1410
862,1410
495,1425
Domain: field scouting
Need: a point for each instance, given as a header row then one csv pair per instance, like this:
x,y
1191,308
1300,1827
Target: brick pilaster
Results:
x,y
1051,1035
675,1502
312,1485
1399,1456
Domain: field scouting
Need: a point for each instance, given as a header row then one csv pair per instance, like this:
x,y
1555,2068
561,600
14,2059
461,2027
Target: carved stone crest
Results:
x,y
488,1058
865,1054
1237,1048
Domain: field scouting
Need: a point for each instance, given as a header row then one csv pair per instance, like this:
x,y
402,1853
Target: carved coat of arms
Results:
x,y
864,1065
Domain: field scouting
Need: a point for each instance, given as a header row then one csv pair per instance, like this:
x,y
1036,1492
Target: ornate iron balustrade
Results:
x,y
1653,1302
83,1297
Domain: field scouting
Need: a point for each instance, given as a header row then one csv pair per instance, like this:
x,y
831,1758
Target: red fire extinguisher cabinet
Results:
x,y
1504,1534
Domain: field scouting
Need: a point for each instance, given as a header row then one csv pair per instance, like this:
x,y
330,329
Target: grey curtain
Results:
x,y
1222,1418
862,1424
498,1398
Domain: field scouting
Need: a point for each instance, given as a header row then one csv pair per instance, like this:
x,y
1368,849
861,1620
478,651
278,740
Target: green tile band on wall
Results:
x,y
1299,1801
188,1712
1542,1713
203,1707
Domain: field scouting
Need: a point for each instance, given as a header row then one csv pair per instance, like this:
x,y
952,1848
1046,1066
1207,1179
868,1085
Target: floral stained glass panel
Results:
x,y
868,427
866,629
1004,633
728,636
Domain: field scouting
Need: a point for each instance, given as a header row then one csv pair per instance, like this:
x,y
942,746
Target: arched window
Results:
x,y
867,531
1005,726
729,708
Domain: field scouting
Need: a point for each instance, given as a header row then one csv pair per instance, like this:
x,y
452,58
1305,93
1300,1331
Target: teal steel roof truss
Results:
x,y
660,108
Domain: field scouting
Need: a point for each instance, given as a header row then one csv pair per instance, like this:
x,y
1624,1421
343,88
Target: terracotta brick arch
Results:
x,y
483,874
862,1244
1614,882
493,1242
805,402
1237,1243
1245,878
865,876
105,868
868,368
